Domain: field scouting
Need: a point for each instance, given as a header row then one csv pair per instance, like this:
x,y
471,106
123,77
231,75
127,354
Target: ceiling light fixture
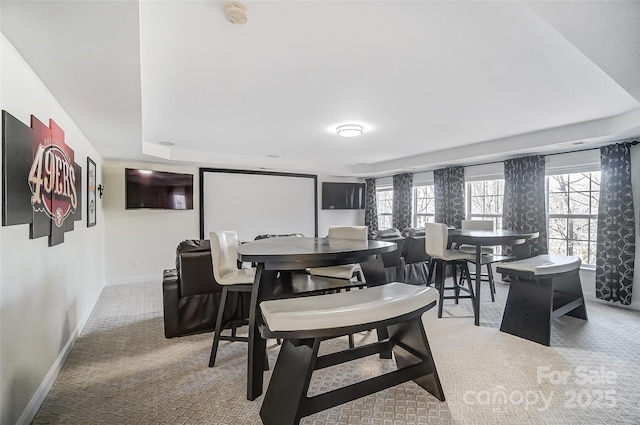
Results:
x,y
349,130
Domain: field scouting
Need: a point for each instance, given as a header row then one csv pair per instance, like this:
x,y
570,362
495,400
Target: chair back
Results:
x,y
358,233
436,238
478,225
224,253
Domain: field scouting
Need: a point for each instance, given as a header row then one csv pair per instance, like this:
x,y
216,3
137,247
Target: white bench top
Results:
x,y
544,264
344,309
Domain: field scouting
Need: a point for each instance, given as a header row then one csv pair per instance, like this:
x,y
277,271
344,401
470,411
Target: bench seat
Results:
x,y
304,323
545,264
542,289
311,315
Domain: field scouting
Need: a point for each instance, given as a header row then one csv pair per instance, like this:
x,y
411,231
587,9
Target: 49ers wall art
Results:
x,y
41,182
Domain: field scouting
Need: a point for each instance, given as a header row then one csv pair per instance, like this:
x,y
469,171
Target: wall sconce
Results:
x,y
100,190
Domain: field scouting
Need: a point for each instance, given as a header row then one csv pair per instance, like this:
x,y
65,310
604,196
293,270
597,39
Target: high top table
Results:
x,y
481,238
277,258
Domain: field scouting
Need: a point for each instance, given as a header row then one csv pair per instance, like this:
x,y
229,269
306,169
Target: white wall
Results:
x,y
140,244
46,293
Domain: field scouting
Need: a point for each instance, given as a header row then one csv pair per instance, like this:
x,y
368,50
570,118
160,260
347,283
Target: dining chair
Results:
x,y
486,250
436,241
224,255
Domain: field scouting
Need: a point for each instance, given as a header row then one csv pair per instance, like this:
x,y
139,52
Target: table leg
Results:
x,y
256,358
476,299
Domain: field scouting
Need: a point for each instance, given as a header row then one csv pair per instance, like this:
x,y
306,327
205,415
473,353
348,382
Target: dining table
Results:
x,y
480,238
281,263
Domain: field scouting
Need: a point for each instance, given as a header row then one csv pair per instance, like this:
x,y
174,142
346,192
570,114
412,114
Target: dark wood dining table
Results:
x,y
481,238
278,260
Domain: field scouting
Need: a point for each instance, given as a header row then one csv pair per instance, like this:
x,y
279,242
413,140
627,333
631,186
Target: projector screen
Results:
x,y
255,203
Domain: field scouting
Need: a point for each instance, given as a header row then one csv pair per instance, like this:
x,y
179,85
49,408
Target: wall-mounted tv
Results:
x,y
158,190
342,196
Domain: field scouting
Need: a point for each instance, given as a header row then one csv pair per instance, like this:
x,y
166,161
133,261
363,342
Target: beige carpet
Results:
x,y
123,371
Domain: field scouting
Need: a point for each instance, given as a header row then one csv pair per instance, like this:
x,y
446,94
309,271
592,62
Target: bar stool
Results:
x,y
224,255
436,238
486,250
345,271
348,272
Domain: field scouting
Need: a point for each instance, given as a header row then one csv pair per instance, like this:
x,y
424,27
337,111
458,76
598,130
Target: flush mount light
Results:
x,y
349,130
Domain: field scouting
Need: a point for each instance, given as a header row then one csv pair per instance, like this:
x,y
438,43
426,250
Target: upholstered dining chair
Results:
x,y
486,250
345,271
224,253
436,240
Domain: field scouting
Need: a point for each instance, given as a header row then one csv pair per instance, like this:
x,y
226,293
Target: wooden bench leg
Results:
x,y
528,310
289,383
568,291
409,341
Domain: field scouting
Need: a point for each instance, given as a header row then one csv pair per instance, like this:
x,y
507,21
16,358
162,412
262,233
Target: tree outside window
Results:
x,y
484,200
384,199
573,214
424,205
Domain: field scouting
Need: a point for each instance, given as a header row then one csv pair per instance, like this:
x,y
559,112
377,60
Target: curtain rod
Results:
x,y
632,143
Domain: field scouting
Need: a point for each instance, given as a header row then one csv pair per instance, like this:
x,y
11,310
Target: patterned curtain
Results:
x,y
524,205
370,205
402,191
616,226
449,196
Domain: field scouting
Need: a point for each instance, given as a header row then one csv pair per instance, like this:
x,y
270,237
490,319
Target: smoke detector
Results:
x,y
235,13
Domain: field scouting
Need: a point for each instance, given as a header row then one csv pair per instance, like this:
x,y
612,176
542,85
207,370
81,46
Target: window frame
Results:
x,y
495,217
414,209
380,214
590,218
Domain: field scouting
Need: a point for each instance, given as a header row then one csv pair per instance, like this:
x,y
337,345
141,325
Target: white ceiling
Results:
x,y
434,83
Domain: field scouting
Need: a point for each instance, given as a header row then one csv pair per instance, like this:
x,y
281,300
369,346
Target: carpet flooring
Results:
x,y
123,371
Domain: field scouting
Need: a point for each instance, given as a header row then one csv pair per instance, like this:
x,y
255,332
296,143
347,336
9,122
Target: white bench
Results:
x,y
304,322
542,289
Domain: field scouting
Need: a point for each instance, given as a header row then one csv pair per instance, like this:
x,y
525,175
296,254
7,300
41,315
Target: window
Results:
x,y
384,198
484,200
573,214
424,205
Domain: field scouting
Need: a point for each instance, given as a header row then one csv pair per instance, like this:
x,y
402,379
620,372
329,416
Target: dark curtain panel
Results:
x,y
524,205
449,196
370,205
402,191
616,226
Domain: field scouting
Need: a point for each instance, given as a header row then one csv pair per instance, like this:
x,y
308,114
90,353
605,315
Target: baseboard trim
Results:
x,y
30,412
135,279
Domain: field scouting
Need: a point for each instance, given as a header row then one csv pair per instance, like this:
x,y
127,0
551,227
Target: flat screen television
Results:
x,y
158,190
342,196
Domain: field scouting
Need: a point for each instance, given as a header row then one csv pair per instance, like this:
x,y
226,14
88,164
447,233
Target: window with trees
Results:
x,y
384,198
573,214
484,200
424,205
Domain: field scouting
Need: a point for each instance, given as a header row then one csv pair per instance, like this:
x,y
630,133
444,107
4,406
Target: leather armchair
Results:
x,y
416,269
394,263
191,295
